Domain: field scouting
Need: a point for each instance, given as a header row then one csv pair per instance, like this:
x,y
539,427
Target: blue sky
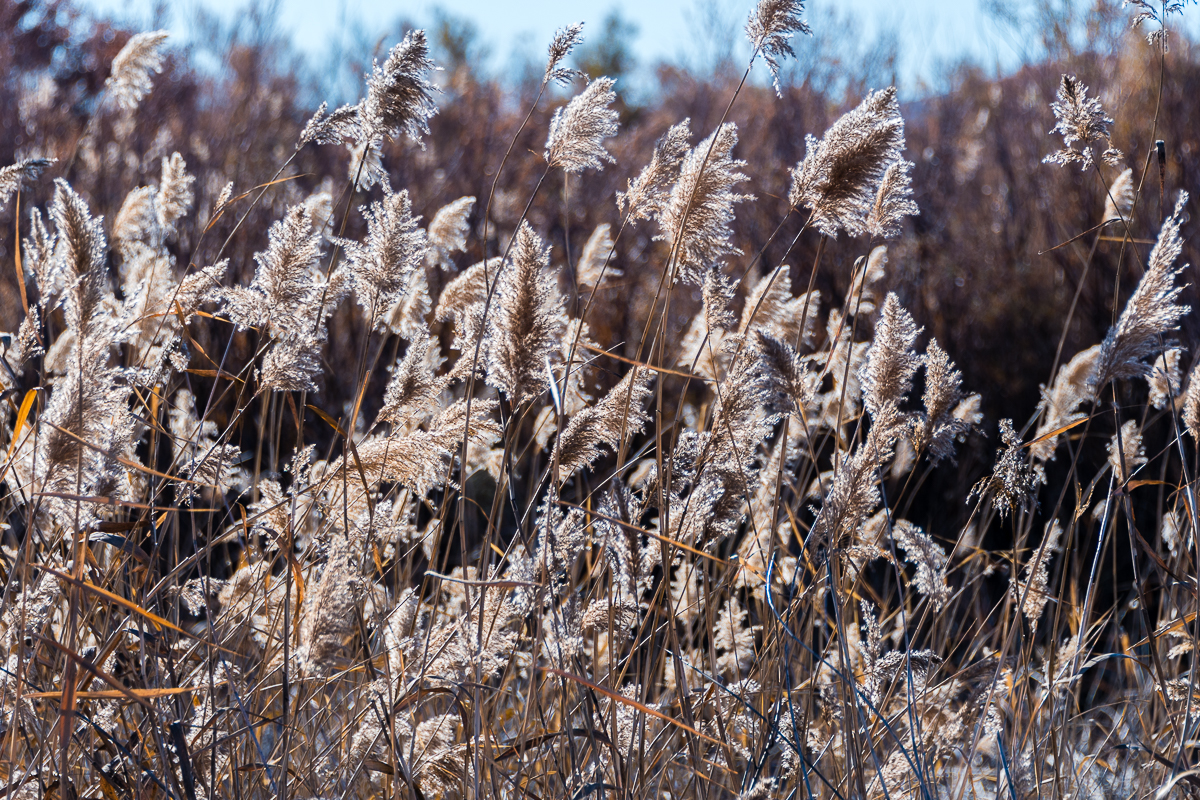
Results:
x,y
932,31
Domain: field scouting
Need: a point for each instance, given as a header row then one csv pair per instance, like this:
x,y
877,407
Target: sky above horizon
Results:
x,y
931,32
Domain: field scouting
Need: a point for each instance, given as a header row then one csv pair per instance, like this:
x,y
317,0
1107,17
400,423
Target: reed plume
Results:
x,y
618,416
893,201
578,130
841,174
565,40
79,258
948,416
595,260
521,335
891,362
928,557
1191,405
1081,120
130,80
383,263
1125,450
791,374
771,308
1165,378
1013,481
770,28
1150,312
399,94
413,388
13,178
281,297
175,194
1032,590
648,193
448,232
1072,387
697,217
1118,203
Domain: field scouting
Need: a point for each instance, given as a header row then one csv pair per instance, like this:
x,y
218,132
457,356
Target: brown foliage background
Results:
x,y
973,266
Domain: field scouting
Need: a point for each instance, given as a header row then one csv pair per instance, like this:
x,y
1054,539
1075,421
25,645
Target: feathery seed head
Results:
x,y
791,376
292,364
594,262
448,231
770,28
366,166
1033,586
771,308
130,78
1072,387
136,221
522,332
333,128
726,470
1191,404
698,216
1118,203
839,178
702,349
1125,451
1176,532
577,130
409,314
619,416
891,363
25,345
468,288
417,459
80,253
893,201
928,557
942,381
717,291
201,286
399,94
223,198
384,261
648,192
413,388
284,280
327,616
941,424
39,261
14,177
175,196
1151,310
1165,378
853,493
90,427
564,41
1080,119
198,453
734,639
1012,481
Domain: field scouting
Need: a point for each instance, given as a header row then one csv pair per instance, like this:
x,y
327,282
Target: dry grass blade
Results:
x,y
619,698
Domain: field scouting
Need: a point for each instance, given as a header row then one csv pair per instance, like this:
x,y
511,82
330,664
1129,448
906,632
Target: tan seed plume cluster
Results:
x,y
854,178
300,499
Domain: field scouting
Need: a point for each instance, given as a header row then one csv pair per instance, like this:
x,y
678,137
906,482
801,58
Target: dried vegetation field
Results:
x,y
319,483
